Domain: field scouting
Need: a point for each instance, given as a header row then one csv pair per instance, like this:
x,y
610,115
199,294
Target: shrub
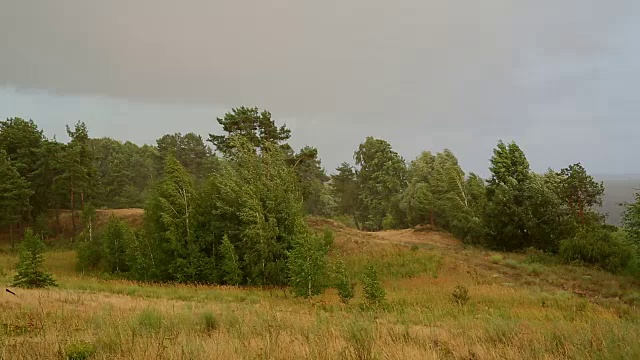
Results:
x,y
230,267
209,322
79,351
496,259
597,247
460,296
373,290
116,239
328,237
346,289
89,255
307,265
30,273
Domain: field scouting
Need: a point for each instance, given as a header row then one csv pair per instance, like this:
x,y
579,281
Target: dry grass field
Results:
x,y
520,306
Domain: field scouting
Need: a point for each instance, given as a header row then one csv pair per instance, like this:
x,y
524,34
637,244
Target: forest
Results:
x,y
238,246
231,209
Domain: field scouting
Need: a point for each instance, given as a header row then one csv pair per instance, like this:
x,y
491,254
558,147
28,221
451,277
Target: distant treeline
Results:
x,y
249,189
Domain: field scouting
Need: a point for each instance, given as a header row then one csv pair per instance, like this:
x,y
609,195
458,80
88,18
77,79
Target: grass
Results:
x,y
514,308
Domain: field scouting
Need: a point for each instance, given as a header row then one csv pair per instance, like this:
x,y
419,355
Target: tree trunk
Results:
x,y
355,220
82,199
432,220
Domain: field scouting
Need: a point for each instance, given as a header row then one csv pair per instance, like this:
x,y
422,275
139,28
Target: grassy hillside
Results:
x,y
519,307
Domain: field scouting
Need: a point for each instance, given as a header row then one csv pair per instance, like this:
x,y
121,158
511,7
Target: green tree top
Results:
x,y
14,192
249,123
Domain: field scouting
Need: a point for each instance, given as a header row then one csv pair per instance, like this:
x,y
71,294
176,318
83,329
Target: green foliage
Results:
x,y
230,265
30,272
439,194
342,282
381,179
255,127
307,265
311,181
580,191
90,254
210,322
254,199
116,239
460,296
598,247
191,152
79,351
631,220
373,290
14,192
344,189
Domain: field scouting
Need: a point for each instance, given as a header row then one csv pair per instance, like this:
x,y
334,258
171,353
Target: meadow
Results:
x,y
444,301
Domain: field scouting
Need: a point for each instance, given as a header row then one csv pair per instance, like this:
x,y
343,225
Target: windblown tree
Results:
x,y
14,194
344,189
631,220
254,126
381,181
170,221
507,215
254,200
190,150
580,191
311,180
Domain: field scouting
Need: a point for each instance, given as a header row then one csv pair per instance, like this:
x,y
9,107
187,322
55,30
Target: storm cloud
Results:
x,y
559,77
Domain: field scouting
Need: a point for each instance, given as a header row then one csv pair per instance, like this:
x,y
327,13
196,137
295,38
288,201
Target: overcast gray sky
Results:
x,y
558,77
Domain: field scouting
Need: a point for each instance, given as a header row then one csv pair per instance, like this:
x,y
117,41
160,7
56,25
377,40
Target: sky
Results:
x,y
558,77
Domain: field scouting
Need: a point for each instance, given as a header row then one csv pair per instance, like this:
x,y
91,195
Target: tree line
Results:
x,y
233,212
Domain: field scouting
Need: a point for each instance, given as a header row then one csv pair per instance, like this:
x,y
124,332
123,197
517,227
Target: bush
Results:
x,y
116,239
79,351
346,289
89,255
373,290
307,266
598,247
30,273
460,295
209,322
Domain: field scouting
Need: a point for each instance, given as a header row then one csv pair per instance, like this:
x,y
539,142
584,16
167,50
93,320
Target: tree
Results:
x,y
373,290
79,169
256,127
230,266
254,199
580,190
342,282
14,193
381,180
307,265
631,220
190,150
507,213
116,238
21,141
30,272
344,188
51,191
311,179
169,218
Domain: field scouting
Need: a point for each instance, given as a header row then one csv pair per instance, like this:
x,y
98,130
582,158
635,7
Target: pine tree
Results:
x,y
308,266
30,272
230,266
14,193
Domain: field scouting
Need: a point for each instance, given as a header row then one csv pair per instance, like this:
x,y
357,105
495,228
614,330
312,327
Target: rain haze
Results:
x,y
559,78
